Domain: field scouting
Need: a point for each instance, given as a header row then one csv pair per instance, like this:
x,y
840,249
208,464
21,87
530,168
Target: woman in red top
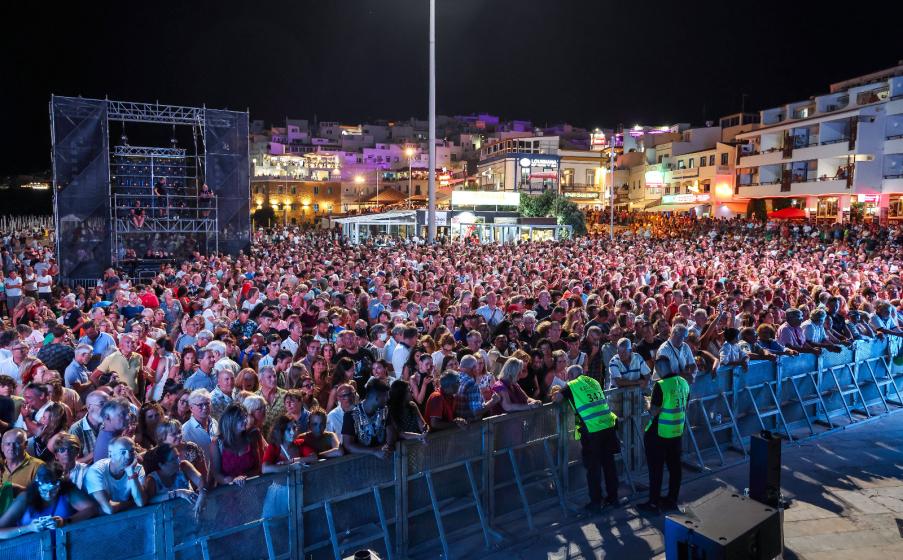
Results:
x,y
285,447
512,397
236,454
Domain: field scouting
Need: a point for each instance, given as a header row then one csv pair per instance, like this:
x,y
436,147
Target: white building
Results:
x,y
832,150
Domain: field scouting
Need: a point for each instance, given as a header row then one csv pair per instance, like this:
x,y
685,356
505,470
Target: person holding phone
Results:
x,y
49,502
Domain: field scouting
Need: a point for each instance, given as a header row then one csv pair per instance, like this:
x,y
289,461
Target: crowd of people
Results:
x,y
307,347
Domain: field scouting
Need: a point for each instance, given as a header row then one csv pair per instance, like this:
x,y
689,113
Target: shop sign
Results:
x,y
538,162
685,198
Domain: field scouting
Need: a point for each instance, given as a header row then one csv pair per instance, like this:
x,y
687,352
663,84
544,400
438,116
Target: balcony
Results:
x,y
766,157
892,184
685,173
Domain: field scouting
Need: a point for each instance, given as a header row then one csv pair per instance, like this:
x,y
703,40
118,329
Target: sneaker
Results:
x,y
648,507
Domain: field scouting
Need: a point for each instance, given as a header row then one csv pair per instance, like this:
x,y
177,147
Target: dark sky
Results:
x,y
588,62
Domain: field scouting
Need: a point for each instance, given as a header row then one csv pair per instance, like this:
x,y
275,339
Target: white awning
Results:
x,y
673,207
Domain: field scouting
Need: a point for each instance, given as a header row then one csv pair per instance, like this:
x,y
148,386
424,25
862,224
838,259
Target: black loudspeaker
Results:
x,y
765,468
726,527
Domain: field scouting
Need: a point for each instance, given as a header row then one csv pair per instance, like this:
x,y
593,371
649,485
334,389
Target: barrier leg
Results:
x,y
268,539
735,431
689,429
333,537
552,474
441,528
708,426
382,521
476,500
520,489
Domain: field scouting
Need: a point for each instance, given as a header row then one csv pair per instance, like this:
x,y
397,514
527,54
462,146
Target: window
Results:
x,y
690,164
712,159
315,207
280,189
590,177
681,164
724,157
293,189
567,176
702,161
707,187
316,190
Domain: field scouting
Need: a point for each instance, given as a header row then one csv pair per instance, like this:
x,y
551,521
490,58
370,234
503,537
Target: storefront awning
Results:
x,y
672,208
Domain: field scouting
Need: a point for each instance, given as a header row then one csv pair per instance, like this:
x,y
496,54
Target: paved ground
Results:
x,y
847,489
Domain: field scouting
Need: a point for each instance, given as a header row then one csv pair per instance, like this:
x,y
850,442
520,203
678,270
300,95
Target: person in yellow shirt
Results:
x,y
17,467
126,364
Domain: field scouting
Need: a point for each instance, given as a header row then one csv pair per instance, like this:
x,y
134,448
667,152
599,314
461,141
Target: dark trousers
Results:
x,y
660,452
598,450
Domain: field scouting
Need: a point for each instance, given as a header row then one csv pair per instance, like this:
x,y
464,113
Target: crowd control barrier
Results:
x,y
475,481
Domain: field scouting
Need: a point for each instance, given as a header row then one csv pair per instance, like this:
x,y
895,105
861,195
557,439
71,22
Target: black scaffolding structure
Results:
x,y
138,206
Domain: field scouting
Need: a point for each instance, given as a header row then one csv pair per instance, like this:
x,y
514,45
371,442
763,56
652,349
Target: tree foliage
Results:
x,y
550,204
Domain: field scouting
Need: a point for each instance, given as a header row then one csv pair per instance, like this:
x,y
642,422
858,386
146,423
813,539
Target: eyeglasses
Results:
x,y
345,395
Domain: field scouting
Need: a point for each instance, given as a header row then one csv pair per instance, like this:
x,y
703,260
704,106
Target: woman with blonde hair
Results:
x,y
511,397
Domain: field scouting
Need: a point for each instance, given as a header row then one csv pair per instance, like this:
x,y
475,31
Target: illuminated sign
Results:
x,y
869,198
581,195
538,162
485,198
598,141
655,178
684,198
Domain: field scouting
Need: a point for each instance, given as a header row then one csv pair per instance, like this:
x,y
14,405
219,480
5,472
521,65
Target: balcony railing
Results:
x,y
835,140
581,187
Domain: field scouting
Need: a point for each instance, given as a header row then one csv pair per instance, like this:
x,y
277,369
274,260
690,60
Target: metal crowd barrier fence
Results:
x,y
479,479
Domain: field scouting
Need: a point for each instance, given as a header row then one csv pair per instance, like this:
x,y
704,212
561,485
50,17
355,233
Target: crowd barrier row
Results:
x,y
474,482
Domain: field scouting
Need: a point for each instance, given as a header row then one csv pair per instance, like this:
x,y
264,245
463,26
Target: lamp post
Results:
x,y
409,152
611,224
431,189
358,181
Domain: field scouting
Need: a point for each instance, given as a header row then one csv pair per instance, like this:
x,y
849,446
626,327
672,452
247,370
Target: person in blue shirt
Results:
x,y
101,343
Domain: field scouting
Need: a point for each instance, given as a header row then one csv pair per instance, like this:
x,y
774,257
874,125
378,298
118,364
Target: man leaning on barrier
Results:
x,y
596,430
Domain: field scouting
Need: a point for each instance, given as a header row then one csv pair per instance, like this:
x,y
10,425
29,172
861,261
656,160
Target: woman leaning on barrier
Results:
x,y
49,502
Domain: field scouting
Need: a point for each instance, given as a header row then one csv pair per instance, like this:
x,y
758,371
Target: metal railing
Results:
x,y
470,482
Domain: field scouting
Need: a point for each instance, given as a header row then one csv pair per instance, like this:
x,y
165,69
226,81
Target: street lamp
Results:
x,y
358,180
410,152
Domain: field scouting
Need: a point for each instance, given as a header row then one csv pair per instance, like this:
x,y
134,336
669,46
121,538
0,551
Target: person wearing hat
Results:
x,y
597,433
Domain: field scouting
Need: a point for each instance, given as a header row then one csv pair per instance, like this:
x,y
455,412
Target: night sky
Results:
x,y
590,63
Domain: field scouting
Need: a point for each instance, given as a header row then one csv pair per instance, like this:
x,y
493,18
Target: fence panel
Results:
x,y
135,534
353,506
36,546
248,522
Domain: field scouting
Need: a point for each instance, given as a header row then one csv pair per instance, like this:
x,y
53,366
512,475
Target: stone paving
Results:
x,y
847,491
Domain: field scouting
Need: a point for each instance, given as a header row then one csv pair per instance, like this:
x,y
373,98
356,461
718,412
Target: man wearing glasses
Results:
x,y
347,397
201,428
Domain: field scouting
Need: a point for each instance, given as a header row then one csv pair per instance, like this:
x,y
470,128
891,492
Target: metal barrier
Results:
x,y
478,479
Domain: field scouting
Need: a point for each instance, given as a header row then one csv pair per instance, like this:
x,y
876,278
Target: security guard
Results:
x,y
596,432
663,435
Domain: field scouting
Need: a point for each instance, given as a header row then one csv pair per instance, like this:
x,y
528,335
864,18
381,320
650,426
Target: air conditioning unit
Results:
x,y
831,108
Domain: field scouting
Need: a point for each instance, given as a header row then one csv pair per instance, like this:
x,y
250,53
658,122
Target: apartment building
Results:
x,y
831,151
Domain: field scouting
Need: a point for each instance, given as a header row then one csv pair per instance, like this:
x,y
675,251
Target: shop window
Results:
x,y
315,207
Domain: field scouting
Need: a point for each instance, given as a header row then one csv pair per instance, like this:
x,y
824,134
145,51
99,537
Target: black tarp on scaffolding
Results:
x,y
81,179
226,144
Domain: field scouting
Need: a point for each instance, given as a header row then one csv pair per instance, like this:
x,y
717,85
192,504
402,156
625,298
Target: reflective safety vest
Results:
x,y
675,392
590,405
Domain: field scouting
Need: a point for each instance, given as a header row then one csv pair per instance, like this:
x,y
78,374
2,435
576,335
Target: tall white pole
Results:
x,y
611,182
377,188
431,193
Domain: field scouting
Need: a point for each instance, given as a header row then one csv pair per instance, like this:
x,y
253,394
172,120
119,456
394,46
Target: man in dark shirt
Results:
x,y
58,354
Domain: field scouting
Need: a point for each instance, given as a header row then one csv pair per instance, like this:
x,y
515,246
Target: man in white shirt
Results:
x,y
294,337
10,367
45,286
13,290
403,350
679,353
347,398
201,428
117,483
628,369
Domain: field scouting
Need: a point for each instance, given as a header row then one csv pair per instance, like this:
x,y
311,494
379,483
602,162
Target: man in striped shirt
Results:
x,y
627,369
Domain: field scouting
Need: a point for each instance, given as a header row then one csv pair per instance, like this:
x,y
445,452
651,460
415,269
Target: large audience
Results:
x,y
222,368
